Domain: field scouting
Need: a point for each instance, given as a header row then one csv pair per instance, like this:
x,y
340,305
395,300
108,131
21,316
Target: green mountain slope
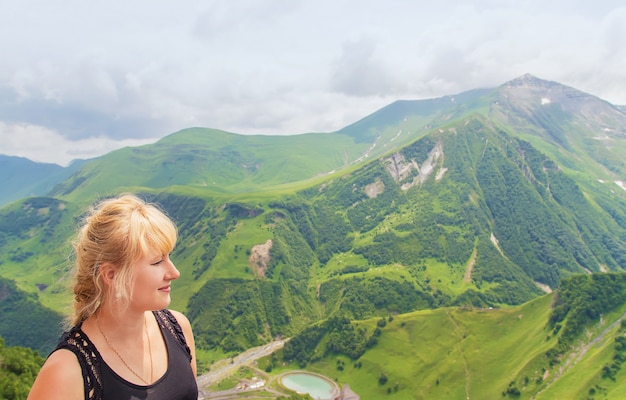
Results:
x,y
402,119
25,322
455,353
35,236
20,177
446,353
214,162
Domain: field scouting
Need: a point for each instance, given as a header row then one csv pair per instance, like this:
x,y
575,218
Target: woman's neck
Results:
x,y
127,325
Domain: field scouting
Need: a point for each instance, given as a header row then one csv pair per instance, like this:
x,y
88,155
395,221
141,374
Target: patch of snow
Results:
x,y
545,100
621,184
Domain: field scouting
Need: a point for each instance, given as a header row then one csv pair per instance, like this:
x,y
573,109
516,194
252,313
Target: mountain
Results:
x,y
225,162
490,198
403,116
20,177
575,128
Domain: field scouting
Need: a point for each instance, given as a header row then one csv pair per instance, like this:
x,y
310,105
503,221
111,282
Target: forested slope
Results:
x,y
18,368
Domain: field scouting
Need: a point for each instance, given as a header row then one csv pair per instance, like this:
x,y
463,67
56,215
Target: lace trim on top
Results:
x,y
89,359
78,343
166,319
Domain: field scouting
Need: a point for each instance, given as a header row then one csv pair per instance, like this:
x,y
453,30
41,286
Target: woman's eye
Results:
x,y
158,262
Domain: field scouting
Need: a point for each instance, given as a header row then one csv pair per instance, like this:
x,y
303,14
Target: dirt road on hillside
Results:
x,y
578,354
224,368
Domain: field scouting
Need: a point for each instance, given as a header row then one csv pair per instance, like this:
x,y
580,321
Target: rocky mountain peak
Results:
x,y
531,93
530,85
529,81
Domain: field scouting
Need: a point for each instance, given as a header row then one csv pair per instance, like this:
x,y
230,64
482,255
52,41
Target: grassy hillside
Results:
x,y
214,161
35,247
454,353
446,353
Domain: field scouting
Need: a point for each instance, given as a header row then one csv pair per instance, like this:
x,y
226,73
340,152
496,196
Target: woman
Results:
x,y
124,343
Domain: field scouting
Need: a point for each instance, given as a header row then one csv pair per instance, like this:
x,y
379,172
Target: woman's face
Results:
x,y
151,285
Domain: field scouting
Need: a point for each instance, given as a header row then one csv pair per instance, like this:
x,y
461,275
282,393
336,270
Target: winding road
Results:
x,y
225,368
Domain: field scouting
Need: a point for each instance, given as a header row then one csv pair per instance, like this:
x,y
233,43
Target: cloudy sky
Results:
x,y
81,78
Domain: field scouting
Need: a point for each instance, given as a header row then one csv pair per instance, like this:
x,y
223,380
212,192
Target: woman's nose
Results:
x,y
173,272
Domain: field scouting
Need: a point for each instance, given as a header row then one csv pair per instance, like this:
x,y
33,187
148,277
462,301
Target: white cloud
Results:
x,y
140,70
41,144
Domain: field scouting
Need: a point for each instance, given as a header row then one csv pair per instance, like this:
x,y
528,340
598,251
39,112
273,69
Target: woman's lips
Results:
x,y
165,288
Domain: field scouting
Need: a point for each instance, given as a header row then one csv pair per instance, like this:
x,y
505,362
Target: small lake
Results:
x,y
316,386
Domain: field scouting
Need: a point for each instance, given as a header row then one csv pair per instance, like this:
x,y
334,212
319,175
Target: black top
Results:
x,y
102,383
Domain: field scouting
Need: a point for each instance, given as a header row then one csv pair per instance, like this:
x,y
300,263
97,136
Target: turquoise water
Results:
x,y
316,387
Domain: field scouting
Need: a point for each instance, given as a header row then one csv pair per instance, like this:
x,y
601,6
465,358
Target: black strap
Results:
x,y
167,320
78,343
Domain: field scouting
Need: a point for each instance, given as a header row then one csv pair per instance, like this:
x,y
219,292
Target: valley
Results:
x,y
443,354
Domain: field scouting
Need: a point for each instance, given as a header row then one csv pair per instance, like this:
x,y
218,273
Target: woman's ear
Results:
x,y
107,272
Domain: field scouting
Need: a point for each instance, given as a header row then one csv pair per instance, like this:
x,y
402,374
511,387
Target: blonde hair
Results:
x,y
118,231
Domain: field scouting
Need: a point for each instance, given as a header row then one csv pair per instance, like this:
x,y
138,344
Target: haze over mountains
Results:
x,y
489,198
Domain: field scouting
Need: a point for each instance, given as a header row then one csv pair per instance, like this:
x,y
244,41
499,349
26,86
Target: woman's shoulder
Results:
x,y
64,358
59,378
